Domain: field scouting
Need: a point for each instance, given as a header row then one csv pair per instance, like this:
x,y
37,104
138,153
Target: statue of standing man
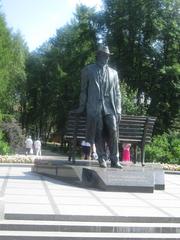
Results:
x,y
101,99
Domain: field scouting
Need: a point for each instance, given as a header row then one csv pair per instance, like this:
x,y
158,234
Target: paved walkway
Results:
x,y
25,192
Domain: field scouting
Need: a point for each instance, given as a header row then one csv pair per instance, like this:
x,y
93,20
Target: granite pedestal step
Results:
x,y
78,226
24,235
31,227
90,218
132,178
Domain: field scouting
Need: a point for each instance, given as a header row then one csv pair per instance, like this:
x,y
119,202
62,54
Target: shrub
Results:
x,y
174,140
4,147
12,134
164,148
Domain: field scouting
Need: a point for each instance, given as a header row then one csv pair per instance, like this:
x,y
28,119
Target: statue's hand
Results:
x,y
119,118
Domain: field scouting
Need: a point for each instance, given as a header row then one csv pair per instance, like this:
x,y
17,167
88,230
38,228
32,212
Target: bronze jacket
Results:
x,y
100,92
93,94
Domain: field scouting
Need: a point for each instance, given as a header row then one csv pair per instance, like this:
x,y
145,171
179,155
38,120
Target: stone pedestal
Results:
x,y
132,178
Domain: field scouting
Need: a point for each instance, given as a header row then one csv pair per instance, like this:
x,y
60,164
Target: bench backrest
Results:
x,y
132,129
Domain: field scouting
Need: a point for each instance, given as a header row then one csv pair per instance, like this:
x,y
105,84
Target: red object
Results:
x,y
126,152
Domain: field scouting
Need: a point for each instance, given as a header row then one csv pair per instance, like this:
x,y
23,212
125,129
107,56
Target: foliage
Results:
x,y
164,148
129,106
41,87
12,133
144,37
12,68
16,159
12,78
127,96
53,79
4,147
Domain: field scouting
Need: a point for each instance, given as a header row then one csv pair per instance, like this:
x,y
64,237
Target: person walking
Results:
x,y
29,145
37,147
100,98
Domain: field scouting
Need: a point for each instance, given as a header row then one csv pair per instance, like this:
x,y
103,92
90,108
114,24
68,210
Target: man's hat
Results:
x,y
104,49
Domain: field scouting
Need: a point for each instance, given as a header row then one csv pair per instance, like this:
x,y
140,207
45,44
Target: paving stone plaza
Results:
x,y
24,193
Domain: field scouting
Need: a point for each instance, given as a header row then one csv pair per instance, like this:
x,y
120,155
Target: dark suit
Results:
x,y
100,97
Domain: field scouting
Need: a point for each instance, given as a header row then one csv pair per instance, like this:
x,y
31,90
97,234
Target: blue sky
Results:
x,y
37,20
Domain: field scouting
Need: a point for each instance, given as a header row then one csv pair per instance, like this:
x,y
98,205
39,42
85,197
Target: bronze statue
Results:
x,y
101,99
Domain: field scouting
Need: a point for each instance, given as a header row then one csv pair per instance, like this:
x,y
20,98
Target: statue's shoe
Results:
x,y
116,165
103,164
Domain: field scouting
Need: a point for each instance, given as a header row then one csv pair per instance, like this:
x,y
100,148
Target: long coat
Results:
x,y
99,93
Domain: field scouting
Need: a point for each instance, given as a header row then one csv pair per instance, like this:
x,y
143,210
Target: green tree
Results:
x,y
143,35
12,68
53,74
5,55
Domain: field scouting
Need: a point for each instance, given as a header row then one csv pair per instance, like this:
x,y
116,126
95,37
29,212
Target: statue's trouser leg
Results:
x,y
99,139
112,130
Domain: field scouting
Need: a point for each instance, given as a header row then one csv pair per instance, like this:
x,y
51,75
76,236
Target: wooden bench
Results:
x,y
136,130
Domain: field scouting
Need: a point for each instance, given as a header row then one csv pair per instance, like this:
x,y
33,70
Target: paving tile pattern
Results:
x,y
23,191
